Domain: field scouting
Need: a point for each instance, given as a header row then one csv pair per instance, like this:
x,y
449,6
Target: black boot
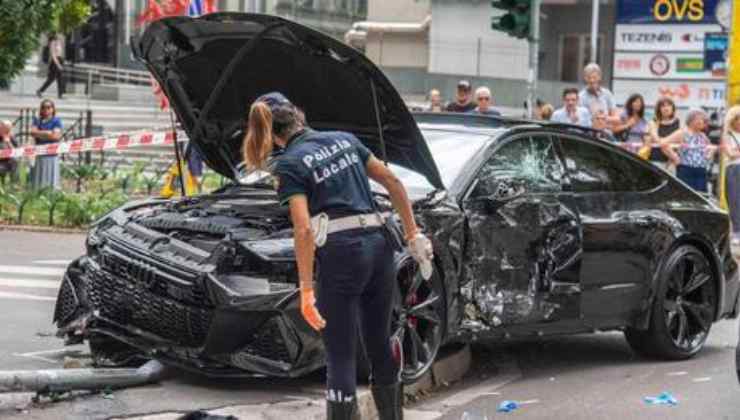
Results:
x,y
388,401
341,410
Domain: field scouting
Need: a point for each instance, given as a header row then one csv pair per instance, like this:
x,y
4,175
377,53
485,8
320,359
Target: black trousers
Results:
x,y
53,74
356,282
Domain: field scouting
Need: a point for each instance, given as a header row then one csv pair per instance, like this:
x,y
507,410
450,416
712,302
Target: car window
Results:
x,y
593,168
523,165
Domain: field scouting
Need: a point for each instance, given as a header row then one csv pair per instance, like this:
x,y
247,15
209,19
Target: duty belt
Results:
x,y
322,226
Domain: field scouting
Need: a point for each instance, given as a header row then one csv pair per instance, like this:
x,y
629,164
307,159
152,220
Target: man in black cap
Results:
x,y
462,103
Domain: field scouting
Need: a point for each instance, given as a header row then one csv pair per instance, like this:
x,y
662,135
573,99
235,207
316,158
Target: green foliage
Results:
x,y
72,15
22,24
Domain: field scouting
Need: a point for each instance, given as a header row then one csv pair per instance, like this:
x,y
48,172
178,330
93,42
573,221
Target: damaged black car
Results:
x,y
538,229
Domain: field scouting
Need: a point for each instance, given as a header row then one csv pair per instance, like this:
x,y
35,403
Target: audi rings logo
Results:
x,y
660,65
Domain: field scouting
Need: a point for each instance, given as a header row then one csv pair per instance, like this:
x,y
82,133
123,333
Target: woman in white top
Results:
x,y
731,148
56,66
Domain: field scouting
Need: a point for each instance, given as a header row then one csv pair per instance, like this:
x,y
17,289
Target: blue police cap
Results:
x,y
274,100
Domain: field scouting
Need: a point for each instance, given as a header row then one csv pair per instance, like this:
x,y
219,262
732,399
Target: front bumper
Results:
x,y
179,323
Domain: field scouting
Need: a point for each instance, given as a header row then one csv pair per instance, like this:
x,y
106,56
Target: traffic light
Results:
x,y
515,22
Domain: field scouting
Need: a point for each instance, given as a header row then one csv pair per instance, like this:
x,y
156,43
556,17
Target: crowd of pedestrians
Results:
x,y
684,150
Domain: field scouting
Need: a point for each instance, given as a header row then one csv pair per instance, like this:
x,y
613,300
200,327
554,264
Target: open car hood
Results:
x,y
213,67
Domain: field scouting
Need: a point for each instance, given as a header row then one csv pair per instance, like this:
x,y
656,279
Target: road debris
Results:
x,y
509,406
53,381
665,398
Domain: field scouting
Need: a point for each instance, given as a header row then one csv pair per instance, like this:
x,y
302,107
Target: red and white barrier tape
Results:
x,y
95,144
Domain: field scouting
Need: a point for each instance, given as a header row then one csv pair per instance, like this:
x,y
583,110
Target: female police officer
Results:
x,y
325,175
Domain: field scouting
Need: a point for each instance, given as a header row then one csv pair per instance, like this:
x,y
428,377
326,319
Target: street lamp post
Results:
x,y
534,55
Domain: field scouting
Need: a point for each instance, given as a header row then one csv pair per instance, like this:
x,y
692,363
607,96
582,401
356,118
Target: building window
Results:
x,y
575,53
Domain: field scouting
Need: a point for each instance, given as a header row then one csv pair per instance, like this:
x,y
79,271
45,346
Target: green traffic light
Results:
x,y
514,25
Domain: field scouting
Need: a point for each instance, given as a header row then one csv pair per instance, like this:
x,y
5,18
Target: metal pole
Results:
x,y
88,133
534,52
61,380
595,31
477,63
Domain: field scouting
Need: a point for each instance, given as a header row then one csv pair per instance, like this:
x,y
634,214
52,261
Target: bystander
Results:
x,y
46,129
693,150
462,102
571,112
8,165
435,101
599,122
485,102
665,123
731,149
545,112
595,95
56,67
195,165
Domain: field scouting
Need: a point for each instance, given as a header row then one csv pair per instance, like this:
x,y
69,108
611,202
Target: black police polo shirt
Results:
x,y
328,167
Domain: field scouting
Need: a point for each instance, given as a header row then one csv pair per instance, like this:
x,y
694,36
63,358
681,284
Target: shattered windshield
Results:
x,y
451,151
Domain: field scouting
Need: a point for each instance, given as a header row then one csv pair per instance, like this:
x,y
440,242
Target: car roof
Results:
x,y
493,125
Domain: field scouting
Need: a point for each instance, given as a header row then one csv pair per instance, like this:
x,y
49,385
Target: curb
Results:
x,y
42,229
446,369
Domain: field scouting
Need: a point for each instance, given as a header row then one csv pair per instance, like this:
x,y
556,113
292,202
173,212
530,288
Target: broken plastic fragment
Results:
x,y
507,406
665,398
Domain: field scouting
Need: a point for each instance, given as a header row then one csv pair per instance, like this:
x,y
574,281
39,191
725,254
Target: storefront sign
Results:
x,y
662,38
685,94
661,66
715,53
667,11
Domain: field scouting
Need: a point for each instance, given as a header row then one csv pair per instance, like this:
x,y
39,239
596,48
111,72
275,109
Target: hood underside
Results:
x,y
213,67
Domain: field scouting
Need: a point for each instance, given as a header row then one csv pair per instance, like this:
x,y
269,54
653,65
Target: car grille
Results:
x,y
130,304
168,282
67,302
268,342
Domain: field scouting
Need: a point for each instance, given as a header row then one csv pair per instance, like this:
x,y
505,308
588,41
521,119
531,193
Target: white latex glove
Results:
x,y
421,250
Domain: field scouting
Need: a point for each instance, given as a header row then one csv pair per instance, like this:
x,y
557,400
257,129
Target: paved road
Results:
x,y
598,376
578,377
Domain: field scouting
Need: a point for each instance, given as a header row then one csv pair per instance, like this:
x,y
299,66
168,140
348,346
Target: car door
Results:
x,y
524,237
611,190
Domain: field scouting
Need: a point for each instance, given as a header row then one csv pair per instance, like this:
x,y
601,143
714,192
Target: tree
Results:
x,y
22,22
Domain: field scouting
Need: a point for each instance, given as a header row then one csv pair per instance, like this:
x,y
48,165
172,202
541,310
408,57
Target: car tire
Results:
x,y
408,375
419,320
683,308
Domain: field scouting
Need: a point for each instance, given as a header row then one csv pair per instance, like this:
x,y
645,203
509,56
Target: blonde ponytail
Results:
x,y
257,144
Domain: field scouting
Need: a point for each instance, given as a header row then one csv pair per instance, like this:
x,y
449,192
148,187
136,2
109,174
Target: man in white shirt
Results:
x,y
571,113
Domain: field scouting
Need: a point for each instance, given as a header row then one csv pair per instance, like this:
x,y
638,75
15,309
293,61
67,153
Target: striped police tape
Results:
x,y
93,144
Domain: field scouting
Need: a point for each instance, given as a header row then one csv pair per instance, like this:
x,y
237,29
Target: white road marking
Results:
x,y
60,263
40,354
32,271
31,284
24,296
680,373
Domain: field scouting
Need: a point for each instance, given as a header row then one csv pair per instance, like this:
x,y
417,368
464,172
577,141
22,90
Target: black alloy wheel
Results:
x,y
683,310
419,321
